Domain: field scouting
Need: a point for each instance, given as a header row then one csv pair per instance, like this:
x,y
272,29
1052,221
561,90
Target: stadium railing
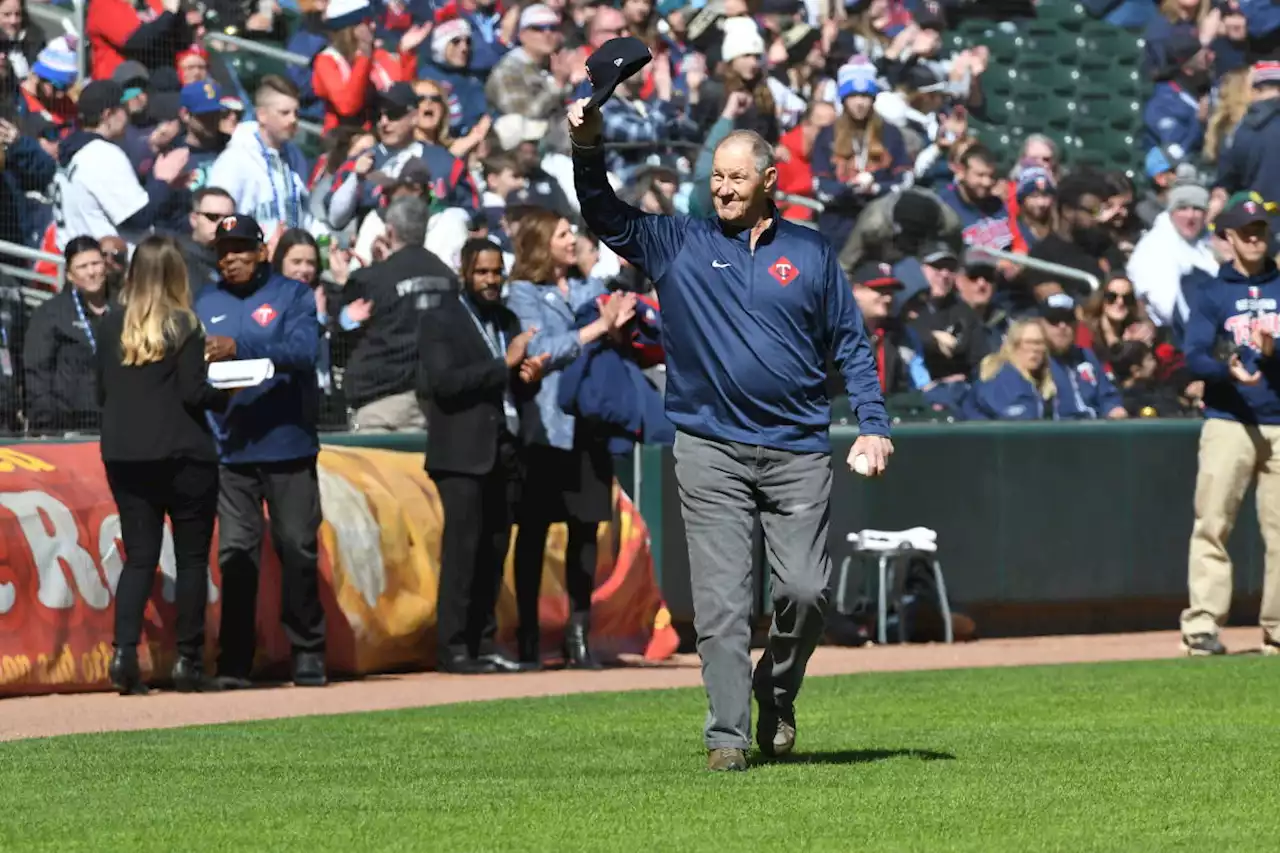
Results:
x,y
999,254
33,296
279,54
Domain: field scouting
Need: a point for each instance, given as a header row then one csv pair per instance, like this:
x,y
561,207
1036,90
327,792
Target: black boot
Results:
x,y
309,670
577,652
126,676
529,649
188,676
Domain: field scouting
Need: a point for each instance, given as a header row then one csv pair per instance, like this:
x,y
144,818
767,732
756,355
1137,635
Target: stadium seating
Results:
x,y
1065,75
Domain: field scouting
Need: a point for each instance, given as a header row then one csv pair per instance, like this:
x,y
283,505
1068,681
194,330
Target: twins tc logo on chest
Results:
x,y
264,314
1240,326
784,271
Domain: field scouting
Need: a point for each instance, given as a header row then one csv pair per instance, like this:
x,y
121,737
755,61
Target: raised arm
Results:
x,y
646,240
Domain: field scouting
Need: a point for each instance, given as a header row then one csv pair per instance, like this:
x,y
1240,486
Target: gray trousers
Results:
x,y
724,487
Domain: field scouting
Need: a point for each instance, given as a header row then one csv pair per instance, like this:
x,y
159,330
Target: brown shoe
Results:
x,y
725,760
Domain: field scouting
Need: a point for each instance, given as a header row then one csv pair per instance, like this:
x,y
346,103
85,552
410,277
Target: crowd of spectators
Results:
x,y
462,103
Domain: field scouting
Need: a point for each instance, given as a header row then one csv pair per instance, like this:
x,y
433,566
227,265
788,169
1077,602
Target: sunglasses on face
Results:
x,y
1126,298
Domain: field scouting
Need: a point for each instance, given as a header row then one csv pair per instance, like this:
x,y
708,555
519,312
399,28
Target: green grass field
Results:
x,y
1164,756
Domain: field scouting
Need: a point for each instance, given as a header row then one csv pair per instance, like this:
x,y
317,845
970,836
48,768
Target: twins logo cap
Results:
x,y
238,227
615,61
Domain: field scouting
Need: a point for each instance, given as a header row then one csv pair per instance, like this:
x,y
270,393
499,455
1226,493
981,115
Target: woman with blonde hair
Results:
x,y
568,473
1015,384
1234,95
158,453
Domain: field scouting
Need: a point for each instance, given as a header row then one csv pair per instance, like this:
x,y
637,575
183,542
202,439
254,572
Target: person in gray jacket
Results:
x,y
895,226
568,473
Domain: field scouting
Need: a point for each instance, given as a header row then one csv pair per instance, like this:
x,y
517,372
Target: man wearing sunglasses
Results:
x,y
209,206
535,79
1085,387
355,186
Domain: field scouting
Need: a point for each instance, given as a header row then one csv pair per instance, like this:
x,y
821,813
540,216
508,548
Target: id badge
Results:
x,y
6,362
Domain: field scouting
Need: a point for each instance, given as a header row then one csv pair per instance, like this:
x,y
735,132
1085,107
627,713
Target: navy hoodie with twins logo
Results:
x,y
1221,321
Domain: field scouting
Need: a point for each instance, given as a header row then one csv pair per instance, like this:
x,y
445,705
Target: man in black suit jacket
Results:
x,y
478,387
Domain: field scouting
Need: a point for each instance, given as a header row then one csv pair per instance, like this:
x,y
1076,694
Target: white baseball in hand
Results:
x,y
860,465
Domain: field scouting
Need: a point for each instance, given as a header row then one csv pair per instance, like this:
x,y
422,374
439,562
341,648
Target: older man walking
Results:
x,y
753,306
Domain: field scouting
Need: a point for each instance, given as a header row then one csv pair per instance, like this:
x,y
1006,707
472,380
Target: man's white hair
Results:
x,y
761,150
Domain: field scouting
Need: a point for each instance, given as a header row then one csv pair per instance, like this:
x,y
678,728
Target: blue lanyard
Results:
x,y
290,216
499,346
88,330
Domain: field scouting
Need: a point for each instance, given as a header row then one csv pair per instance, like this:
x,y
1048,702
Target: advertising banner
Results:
x,y
61,556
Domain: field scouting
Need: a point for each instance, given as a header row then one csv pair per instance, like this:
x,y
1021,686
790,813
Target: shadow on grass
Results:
x,y
857,756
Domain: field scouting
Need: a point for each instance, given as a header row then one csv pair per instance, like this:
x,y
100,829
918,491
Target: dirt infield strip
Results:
x,y
46,716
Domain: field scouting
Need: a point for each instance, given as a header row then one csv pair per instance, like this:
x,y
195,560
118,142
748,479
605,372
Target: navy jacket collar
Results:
x,y
743,235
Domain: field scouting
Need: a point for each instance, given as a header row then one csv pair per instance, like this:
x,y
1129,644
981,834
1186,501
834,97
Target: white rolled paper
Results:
x,y
242,373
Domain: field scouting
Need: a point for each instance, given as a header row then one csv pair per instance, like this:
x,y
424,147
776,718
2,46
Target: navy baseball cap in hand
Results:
x,y
615,61
238,227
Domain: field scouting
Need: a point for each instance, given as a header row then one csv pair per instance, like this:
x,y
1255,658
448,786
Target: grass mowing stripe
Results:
x,y
1155,756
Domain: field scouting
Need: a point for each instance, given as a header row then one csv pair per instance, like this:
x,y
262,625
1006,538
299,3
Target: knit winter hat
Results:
x,y
346,13
1035,179
1188,195
1267,71
857,77
741,38
57,63
443,34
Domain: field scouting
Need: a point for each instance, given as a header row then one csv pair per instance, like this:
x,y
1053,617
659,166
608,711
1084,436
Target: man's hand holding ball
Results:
x,y
869,455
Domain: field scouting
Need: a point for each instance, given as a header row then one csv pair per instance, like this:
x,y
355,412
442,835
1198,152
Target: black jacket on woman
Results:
x,y
58,356
156,411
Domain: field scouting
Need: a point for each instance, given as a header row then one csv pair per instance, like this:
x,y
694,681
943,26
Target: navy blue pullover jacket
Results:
x,y
747,334
1085,388
1009,396
1221,318
273,317
1250,162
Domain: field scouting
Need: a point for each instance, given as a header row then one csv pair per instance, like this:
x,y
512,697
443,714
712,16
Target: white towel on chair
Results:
x,y
882,541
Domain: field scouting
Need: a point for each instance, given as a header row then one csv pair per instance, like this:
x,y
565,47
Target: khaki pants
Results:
x,y
1232,456
390,414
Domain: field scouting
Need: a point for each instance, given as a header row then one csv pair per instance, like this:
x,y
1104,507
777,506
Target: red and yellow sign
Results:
x,y
61,556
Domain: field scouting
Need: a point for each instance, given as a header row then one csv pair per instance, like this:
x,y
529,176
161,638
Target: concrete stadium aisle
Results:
x,y
47,716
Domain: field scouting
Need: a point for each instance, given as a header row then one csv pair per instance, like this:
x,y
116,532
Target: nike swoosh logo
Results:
x,y
719,266
218,319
